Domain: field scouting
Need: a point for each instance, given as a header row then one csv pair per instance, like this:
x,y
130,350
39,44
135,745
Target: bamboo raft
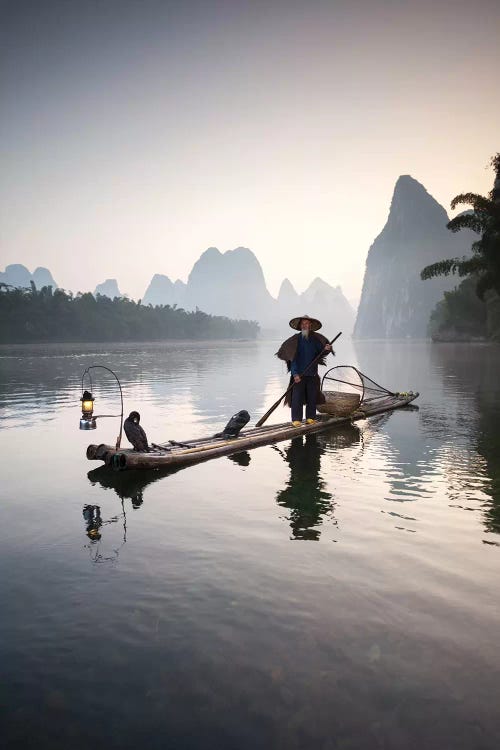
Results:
x,y
173,454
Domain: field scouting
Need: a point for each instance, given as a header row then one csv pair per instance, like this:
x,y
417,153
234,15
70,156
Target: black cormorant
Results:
x,y
134,432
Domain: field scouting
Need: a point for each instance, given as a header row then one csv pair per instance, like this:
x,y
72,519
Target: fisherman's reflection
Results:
x,y
304,494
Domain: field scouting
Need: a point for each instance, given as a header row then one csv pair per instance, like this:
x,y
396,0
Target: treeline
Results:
x,y
31,315
472,310
463,316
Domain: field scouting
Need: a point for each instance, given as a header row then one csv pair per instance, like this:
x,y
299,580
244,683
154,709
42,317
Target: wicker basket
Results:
x,y
339,404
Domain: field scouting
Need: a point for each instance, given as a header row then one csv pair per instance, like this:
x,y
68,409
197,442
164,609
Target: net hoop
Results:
x,y
348,375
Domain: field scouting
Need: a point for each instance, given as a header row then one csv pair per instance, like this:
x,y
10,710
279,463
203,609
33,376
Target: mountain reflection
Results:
x,y
305,495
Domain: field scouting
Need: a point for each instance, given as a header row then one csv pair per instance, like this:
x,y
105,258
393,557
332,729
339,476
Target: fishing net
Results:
x,y
346,379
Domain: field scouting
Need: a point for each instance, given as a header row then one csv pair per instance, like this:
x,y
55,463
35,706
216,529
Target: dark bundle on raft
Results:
x,y
235,425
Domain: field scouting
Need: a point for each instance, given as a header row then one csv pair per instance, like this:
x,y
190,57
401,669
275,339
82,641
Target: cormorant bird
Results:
x,y
134,432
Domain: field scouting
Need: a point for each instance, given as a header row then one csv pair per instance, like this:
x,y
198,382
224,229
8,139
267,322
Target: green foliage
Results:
x,y
28,315
484,219
460,314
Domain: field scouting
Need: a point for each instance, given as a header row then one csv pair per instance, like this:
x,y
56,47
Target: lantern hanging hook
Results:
x,y
88,421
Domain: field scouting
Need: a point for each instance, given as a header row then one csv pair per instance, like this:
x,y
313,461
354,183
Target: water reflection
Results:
x,y
93,521
488,445
242,458
131,485
128,485
474,417
414,657
304,495
209,381
94,524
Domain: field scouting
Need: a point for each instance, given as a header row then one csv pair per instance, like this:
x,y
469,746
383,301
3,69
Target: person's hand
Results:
x,y
296,378
328,348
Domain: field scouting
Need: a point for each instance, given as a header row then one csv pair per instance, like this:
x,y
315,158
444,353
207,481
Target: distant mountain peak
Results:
x,y
232,283
161,291
407,182
210,252
238,266
161,277
108,288
18,275
42,277
13,267
409,191
413,213
320,285
395,302
240,250
286,288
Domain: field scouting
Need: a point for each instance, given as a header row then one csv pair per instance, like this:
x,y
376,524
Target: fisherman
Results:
x,y
298,352
134,432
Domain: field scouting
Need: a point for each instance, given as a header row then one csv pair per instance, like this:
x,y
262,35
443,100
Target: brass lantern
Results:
x,y
87,421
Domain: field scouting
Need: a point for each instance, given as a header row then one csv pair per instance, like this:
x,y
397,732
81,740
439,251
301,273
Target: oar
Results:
x,y
278,402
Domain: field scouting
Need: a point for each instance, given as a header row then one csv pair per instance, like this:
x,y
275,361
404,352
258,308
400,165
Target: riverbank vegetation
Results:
x,y
31,315
472,310
462,316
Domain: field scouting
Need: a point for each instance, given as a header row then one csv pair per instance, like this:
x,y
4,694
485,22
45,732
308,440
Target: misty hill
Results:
x,y
319,300
108,288
17,275
162,291
230,283
233,284
288,298
331,303
395,302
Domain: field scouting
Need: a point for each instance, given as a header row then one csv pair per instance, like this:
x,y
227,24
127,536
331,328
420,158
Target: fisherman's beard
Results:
x,y
305,333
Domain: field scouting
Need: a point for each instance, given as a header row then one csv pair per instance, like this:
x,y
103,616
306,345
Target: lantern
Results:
x,y
87,421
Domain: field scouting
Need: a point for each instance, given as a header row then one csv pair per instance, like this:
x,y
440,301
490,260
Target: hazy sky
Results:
x,y
135,134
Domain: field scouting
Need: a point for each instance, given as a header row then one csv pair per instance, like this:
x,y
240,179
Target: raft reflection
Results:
x,y
128,485
305,495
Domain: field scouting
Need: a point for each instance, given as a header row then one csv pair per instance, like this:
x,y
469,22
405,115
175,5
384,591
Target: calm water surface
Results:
x,y
335,592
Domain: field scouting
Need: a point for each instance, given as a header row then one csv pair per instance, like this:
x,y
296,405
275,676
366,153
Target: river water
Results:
x,y
335,592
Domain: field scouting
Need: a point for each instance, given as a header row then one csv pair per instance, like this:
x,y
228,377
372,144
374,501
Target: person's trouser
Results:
x,y
304,391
